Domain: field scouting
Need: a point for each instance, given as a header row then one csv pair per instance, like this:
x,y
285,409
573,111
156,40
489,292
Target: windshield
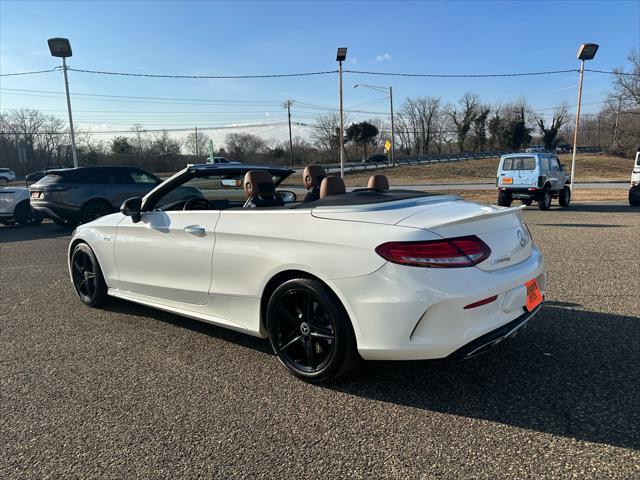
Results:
x,y
519,163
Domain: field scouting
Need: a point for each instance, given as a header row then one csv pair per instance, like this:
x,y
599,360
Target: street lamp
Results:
x,y
378,88
60,47
586,52
340,57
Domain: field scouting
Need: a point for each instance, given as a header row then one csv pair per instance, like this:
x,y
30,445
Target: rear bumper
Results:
x,y
409,313
56,212
525,193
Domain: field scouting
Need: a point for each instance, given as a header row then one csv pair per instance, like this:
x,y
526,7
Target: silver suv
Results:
x,y
532,177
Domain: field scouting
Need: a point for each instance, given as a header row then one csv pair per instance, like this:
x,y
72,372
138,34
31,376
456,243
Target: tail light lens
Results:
x,y
447,253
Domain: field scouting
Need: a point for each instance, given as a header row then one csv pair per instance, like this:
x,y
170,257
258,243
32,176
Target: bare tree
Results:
x,y
243,146
550,132
326,133
464,116
197,145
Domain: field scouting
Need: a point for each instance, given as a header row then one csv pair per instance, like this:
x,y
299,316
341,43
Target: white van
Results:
x,y
634,189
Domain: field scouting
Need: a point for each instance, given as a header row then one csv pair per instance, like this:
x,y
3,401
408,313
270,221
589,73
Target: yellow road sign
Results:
x,y
387,145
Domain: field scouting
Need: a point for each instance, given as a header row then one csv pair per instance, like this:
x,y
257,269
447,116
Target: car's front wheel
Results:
x,y
87,276
565,197
310,331
4,180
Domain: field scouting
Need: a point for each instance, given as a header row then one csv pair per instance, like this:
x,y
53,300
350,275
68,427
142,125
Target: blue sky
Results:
x,y
227,38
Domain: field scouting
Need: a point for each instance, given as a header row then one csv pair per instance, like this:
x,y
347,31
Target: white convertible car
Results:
x,y
373,274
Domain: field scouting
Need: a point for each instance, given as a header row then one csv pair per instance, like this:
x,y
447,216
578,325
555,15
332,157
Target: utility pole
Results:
x,y
341,57
196,141
393,132
615,126
287,105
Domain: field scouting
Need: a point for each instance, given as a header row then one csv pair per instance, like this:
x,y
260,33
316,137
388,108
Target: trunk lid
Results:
x,y
501,229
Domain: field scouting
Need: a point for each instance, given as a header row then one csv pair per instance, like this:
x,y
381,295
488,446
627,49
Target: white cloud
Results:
x,y
385,57
354,61
267,114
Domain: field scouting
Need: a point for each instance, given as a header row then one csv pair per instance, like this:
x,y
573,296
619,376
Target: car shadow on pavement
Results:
x,y
117,305
570,372
18,233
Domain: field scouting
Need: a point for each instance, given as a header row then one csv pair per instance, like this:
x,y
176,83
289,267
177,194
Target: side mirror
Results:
x,y
131,207
287,196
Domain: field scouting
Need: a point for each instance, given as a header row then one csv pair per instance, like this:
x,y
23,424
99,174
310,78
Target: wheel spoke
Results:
x,y
308,351
82,284
320,332
307,309
294,340
89,274
288,314
77,266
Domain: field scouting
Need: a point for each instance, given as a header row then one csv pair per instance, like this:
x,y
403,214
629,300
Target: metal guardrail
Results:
x,y
350,167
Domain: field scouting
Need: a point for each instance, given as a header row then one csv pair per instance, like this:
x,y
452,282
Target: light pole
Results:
x,y
60,47
390,93
340,57
586,52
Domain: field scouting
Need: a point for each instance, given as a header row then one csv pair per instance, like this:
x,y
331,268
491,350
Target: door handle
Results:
x,y
196,230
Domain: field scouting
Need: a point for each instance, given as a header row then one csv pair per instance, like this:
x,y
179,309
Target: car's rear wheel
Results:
x,y
634,201
26,216
504,199
3,180
87,276
565,197
95,209
310,331
545,202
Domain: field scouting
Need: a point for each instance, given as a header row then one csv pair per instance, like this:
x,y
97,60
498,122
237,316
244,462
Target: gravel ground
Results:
x,y
132,392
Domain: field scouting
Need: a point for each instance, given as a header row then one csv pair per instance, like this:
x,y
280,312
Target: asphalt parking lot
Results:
x,y
133,392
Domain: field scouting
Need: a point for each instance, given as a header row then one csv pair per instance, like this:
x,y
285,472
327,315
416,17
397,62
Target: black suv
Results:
x,y
78,195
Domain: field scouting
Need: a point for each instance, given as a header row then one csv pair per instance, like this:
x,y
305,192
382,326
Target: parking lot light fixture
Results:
x,y
341,57
60,47
587,51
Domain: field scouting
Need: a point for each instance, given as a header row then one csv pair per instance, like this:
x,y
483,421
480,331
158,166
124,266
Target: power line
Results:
x,y
149,75
466,75
28,73
630,74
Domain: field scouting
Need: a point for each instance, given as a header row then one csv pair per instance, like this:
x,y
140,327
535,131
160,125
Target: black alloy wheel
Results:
x,y
309,330
95,209
87,276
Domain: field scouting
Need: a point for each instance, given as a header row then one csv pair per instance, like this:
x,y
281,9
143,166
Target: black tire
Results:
x,y
87,278
310,331
634,200
545,202
7,221
565,196
95,209
504,199
26,216
4,180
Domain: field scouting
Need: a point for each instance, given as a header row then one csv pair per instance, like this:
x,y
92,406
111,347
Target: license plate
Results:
x,y
507,181
35,195
534,297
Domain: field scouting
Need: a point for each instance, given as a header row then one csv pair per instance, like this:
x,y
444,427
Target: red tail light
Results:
x,y
447,253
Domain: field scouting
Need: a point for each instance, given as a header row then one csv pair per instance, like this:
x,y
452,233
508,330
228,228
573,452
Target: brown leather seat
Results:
x,y
378,182
312,178
332,186
260,190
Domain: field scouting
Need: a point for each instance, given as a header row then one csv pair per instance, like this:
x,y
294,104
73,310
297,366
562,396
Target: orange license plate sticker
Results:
x,y
534,297
507,180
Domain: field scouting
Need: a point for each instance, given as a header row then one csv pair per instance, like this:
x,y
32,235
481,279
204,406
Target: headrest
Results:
x,y
313,176
258,183
332,186
378,182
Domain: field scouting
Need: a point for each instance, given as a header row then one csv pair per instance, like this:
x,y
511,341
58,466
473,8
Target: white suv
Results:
x,y
532,177
6,175
634,189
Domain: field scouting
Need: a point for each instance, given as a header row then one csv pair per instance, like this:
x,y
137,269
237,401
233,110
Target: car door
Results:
x,y
555,174
167,255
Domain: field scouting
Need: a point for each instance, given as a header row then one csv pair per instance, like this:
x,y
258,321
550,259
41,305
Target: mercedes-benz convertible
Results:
x,y
374,273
